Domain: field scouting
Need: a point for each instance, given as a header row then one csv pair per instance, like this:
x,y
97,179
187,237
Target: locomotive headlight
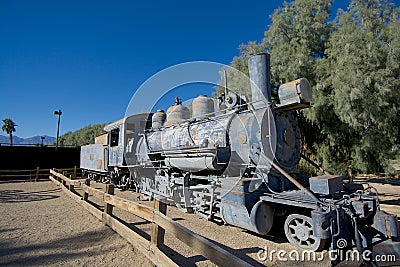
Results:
x,y
293,95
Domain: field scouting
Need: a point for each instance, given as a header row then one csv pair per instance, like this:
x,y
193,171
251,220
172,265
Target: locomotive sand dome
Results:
x,y
236,167
177,113
202,106
158,119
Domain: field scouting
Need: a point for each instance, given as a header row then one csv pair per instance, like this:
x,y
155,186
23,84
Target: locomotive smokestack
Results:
x,y
260,80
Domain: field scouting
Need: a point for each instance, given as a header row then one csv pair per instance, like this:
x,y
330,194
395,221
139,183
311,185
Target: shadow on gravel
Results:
x,y
56,251
9,196
180,259
193,260
242,253
8,230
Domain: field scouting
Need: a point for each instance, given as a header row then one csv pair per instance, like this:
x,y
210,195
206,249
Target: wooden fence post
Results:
x,y
37,174
75,170
71,186
62,180
55,177
86,195
157,236
108,208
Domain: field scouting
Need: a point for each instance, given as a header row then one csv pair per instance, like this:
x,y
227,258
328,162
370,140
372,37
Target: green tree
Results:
x,y
9,128
238,73
83,136
356,97
296,39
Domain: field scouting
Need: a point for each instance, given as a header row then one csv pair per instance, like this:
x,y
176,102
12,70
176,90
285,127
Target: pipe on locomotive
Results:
x,y
293,180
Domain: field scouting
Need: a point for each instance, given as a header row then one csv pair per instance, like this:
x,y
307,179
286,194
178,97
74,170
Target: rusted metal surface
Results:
x,y
288,138
210,133
387,224
170,138
198,163
177,113
321,222
101,139
291,198
114,125
240,206
192,146
326,184
115,157
202,106
260,80
94,157
158,119
295,94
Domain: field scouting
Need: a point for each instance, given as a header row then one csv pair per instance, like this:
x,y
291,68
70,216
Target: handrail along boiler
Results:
x,y
235,166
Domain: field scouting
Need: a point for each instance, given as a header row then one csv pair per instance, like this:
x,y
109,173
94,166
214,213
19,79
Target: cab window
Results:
x,y
114,136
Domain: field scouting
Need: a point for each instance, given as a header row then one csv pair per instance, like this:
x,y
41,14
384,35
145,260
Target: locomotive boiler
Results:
x,y
234,164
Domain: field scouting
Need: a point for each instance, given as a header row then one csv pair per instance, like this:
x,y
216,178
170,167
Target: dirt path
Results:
x,y
40,225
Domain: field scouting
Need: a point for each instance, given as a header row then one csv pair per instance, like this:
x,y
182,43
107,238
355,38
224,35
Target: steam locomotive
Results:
x,y
234,164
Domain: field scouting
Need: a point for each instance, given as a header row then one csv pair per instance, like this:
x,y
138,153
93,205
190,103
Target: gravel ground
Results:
x,y
40,225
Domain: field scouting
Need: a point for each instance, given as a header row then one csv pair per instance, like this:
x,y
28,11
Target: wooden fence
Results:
x,y
152,248
33,174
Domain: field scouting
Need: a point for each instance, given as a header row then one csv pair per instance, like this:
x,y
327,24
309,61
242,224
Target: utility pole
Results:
x,y
58,112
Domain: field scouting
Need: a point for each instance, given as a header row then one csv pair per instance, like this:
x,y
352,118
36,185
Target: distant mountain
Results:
x,y
30,140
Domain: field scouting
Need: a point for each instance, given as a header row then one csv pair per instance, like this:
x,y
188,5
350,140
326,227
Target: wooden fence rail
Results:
x,y
33,174
152,248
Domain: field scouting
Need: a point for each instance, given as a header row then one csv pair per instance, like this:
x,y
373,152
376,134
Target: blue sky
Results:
x,y
87,58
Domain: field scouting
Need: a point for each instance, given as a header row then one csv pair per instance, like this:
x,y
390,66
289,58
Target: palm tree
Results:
x,y
9,128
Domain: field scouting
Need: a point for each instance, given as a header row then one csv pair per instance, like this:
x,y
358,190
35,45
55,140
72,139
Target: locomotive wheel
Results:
x,y
299,232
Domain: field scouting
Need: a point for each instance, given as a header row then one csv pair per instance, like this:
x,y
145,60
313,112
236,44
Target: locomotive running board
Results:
x,y
292,198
